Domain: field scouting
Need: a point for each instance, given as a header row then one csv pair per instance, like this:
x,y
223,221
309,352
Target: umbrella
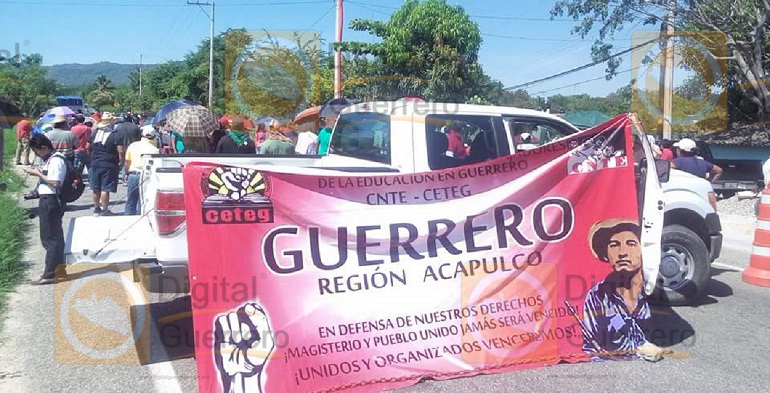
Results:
x,y
309,114
59,110
168,108
335,106
9,113
192,121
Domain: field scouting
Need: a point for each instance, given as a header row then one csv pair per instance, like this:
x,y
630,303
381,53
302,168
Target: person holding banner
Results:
x,y
616,313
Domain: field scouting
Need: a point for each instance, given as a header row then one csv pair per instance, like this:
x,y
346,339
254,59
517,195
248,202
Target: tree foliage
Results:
x,y
24,81
429,46
744,22
103,93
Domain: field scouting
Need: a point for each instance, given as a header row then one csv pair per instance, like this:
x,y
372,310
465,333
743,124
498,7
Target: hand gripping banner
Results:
x,y
371,282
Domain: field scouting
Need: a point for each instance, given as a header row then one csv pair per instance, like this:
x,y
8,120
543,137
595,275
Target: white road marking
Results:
x,y
164,378
163,375
727,267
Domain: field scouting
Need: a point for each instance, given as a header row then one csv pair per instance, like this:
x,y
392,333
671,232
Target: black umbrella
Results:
x,y
9,113
168,108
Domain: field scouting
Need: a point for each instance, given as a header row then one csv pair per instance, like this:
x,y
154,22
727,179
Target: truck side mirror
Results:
x,y
663,168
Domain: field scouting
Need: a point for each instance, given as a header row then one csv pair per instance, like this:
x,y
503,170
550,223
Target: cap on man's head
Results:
x,y
686,144
149,131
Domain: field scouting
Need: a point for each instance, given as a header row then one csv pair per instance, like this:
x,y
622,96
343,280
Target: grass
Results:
x,y
13,225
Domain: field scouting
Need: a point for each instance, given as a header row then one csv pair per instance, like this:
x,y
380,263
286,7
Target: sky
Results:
x,y
520,43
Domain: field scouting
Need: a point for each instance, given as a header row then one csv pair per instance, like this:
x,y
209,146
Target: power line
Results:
x,y
581,82
322,16
547,39
580,68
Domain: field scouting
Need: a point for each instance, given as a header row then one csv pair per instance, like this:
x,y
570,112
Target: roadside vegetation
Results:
x,y
13,225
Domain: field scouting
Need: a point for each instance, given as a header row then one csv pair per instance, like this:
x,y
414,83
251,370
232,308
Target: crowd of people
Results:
x,y
110,149
683,155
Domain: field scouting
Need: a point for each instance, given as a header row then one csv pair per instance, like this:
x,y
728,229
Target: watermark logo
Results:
x,y
101,317
6,55
271,73
696,64
509,316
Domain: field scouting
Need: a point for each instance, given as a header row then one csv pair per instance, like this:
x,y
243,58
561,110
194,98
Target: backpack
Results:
x,y
72,187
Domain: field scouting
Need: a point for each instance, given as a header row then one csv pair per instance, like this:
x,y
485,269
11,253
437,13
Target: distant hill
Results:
x,y
75,75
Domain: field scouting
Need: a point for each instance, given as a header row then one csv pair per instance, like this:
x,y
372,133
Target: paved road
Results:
x,y
725,333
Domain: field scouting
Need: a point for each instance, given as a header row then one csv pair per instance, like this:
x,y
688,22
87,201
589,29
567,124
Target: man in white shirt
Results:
x,y
307,143
50,208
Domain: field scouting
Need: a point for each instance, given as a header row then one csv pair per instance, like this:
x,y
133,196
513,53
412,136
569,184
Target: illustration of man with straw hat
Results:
x,y
616,314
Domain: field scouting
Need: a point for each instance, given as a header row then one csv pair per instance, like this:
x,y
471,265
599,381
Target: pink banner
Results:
x,y
365,283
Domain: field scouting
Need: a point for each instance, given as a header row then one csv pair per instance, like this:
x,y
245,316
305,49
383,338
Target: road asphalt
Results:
x,y
725,333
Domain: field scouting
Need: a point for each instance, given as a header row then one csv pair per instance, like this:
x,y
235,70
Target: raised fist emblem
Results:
x,y
243,342
236,183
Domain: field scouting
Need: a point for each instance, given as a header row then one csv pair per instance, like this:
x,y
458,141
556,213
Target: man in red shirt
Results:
x,y
23,133
667,153
83,133
456,145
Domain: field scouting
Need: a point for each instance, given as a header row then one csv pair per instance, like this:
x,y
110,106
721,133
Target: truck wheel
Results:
x,y
684,267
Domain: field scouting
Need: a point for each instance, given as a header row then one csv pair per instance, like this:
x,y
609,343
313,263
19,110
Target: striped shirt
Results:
x,y
612,324
63,141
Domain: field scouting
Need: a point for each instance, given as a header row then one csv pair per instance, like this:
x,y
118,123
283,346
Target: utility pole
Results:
x,y
211,49
667,73
338,54
140,76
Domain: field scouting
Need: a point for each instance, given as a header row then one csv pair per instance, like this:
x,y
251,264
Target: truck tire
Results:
x,y
684,267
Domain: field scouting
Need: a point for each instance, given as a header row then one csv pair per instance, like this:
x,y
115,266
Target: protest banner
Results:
x,y
372,282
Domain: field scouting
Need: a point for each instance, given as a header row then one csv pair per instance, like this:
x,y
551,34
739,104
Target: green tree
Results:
x,y
431,46
744,22
518,99
103,93
24,81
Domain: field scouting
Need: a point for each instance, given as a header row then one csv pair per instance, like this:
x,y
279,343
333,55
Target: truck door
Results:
x,y
651,206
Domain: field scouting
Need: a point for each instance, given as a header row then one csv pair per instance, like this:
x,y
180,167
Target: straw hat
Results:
x,y
600,234
107,119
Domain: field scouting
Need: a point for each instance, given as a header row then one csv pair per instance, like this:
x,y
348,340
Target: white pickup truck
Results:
x,y
377,137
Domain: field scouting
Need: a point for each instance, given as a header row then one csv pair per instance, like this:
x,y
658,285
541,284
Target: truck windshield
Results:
x,y
362,135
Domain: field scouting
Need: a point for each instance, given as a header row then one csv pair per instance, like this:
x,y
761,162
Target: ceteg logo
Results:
x,y
236,196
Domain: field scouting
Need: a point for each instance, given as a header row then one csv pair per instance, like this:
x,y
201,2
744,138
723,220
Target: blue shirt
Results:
x,y
694,165
613,326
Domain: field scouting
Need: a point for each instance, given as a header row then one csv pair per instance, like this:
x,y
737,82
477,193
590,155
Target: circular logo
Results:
x,y
657,56
272,76
97,312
